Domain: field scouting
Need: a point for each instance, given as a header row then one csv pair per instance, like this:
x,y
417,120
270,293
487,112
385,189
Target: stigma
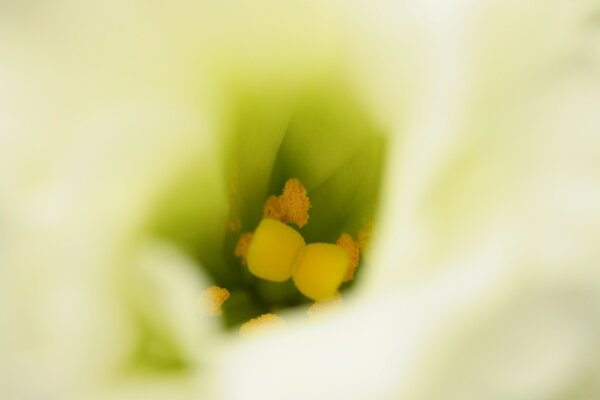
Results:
x,y
273,250
320,269
276,251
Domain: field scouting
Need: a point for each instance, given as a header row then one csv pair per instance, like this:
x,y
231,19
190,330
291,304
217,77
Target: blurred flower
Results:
x,y
136,142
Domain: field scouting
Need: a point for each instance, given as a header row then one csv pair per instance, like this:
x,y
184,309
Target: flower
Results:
x,y
482,276
159,134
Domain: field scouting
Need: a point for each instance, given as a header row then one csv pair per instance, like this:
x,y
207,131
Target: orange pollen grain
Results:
x,y
241,248
364,236
294,202
272,209
212,298
261,323
352,248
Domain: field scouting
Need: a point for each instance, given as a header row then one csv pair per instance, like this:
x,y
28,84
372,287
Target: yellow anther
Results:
x,y
364,236
291,207
212,298
272,209
294,202
347,243
273,250
241,248
320,269
320,308
261,324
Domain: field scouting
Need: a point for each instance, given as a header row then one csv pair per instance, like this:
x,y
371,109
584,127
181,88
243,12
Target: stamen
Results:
x,y
320,269
273,250
241,248
364,236
320,308
261,324
291,207
212,298
351,247
272,209
294,203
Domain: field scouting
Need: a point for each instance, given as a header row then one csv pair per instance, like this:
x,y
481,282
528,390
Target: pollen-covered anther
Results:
x,y
211,299
321,308
364,236
272,209
320,269
261,324
294,203
347,243
273,250
241,248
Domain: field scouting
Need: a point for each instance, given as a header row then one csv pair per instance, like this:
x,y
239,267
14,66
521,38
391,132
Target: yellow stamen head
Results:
x,y
294,203
273,250
320,269
241,248
261,324
272,209
211,300
320,308
347,243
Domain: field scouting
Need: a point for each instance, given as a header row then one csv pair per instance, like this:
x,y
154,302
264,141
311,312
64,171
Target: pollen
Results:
x,y
272,209
320,308
347,243
273,250
320,270
241,248
294,203
212,298
364,236
262,323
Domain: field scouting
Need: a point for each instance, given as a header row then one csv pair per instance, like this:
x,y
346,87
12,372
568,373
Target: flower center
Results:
x,y
283,218
276,252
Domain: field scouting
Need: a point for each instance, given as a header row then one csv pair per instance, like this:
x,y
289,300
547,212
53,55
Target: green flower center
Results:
x,y
318,135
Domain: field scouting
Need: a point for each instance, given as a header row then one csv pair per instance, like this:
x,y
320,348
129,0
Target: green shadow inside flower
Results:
x,y
319,134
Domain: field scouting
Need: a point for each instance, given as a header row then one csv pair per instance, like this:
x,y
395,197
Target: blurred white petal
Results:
x,y
482,282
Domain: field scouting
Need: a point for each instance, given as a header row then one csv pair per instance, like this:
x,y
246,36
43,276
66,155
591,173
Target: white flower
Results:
x,y
126,129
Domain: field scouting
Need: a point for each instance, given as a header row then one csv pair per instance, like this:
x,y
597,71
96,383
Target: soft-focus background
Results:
x,y
482,280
